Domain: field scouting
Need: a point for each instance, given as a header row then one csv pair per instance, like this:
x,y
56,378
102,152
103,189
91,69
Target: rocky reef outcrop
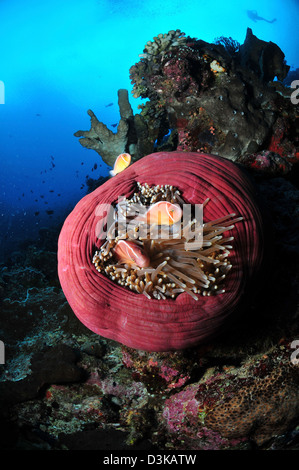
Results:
x,y
222,98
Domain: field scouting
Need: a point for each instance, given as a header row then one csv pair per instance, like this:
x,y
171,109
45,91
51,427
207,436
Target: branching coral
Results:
x,y
164,43
101,139
132,134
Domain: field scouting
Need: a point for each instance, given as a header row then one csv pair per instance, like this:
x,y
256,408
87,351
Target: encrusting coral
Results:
x,y
248,404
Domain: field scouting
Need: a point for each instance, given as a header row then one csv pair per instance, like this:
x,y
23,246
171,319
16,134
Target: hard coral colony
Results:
x,y
162,295
220,98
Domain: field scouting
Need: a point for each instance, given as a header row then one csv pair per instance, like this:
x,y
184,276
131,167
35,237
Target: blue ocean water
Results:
x,y
61,58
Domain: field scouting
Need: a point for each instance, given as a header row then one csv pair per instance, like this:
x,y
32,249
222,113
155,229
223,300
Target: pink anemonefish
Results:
x,y
162,213
130,253
121,163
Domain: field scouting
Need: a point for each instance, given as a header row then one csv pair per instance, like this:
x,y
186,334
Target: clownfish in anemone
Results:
x,y
185,296
162,213
121,163
128,252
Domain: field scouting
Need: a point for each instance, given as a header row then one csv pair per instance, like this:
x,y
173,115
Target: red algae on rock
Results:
x,y
159,372
130,318
252,403
184,418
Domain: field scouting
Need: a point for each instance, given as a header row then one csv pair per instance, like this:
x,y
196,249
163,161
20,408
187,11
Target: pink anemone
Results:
x,y
115,312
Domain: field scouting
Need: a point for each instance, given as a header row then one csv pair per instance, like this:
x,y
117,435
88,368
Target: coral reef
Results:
x,y
252,403
218,98
160,372
63,387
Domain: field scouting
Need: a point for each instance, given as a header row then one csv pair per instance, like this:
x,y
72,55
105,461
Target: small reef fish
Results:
x,y
130,253
121,163
162,213
108,105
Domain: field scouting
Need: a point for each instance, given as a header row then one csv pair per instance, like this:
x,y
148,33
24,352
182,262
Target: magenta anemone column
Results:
x,y
130,318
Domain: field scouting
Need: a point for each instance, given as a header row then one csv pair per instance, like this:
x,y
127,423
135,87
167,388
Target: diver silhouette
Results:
x,y
252,14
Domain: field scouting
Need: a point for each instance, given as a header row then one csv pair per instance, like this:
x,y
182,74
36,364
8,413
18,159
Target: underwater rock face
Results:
x,y
266,59
118,313
267,163
217,97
